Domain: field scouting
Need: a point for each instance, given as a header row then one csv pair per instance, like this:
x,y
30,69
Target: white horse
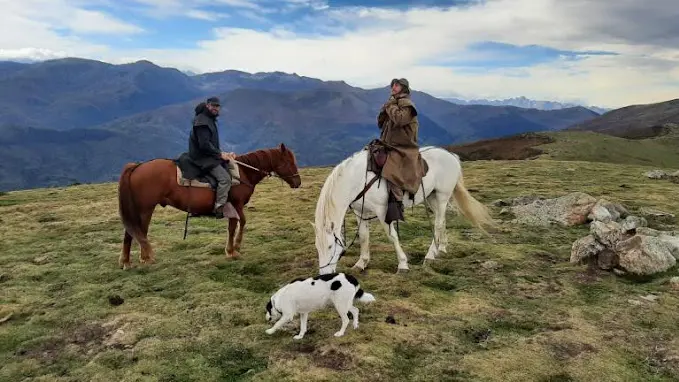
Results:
x,y
347,179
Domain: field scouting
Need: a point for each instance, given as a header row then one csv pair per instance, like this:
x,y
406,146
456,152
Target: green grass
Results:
x,y
661,151
195,316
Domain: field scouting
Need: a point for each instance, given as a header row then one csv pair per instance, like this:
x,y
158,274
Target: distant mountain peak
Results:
x,y
524,102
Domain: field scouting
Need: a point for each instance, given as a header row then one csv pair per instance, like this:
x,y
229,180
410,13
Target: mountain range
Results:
x,y
76,120
525,103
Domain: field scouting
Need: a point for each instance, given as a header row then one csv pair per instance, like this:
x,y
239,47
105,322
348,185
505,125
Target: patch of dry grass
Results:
x,y
194,316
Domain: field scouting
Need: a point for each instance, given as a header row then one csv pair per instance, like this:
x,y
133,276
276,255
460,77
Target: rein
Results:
x,y
269,174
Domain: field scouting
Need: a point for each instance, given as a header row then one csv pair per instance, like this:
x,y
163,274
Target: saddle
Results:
x,y
378,157
188,175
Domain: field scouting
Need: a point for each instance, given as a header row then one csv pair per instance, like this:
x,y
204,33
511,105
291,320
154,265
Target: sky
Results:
x,y
593,52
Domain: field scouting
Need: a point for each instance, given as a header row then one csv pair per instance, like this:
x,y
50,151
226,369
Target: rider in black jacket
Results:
x,y
205,153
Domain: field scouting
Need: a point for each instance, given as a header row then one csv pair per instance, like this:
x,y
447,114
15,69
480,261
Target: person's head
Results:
x,y
400,85
213,105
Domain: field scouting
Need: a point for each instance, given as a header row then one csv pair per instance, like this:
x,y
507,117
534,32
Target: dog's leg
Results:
x,y
282,321
342,311
354,312
302,325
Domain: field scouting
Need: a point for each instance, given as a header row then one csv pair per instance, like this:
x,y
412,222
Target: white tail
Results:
x,y
364,297
471,208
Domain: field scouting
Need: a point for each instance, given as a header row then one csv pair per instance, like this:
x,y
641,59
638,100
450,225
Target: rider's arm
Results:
x,y
401,116
203,135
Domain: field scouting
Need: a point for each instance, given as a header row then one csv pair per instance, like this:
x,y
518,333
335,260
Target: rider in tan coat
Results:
x,y
398,123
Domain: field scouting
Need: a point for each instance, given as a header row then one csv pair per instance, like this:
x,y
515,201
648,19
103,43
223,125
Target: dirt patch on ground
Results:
x,y
331,359
517,147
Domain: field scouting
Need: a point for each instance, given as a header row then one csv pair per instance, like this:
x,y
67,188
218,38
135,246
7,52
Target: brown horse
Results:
x,y
142,186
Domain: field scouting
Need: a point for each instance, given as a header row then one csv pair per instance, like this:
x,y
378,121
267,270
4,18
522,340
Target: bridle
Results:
x,y
344,250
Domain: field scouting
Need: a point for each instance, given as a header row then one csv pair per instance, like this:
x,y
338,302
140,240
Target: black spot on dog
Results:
x,y
269,305
335,285
297,279
350,316
327,277
359,293
352,280
313,283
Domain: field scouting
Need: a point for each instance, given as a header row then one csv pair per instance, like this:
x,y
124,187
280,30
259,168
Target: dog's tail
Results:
x,y
363,296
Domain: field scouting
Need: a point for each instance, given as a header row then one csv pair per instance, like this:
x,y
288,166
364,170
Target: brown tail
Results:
x,y
471,208
126,204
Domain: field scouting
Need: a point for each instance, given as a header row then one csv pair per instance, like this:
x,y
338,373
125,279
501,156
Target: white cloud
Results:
x,y
368,46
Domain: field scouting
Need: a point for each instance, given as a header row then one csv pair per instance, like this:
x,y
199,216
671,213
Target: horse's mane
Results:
x,y
326,208
261,159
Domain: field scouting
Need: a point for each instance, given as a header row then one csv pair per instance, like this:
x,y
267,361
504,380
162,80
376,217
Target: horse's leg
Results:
x,y
439,203
393,236
239,237
230,253
363,238
124,259
146,253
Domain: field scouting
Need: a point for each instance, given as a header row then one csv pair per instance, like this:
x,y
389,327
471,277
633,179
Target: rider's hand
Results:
x,y
225,156
231,155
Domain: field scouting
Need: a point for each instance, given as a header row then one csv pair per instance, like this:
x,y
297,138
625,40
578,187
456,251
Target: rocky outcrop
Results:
x,y
661,174
568,210
626,245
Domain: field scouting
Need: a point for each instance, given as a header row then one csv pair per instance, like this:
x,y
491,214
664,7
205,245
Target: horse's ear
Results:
x,y
283,148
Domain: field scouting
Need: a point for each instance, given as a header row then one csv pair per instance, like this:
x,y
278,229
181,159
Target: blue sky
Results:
x,y
588,51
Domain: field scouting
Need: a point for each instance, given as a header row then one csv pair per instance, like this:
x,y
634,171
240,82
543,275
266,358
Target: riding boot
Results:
x,y
394,204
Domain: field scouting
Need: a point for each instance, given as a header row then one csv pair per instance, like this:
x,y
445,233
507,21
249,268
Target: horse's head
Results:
x,y
330,249
286,167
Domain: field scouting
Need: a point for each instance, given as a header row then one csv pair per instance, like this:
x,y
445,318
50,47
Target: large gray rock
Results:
x,y
645,255
568,210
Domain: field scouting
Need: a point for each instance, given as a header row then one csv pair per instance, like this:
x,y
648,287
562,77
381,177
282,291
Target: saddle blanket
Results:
x,y
187,174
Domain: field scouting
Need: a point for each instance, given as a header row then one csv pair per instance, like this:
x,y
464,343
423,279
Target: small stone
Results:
x,y
607,234
656,174
491,264
40,260
600,213
650,297
651,212
674,282
635,302
631,223
585,248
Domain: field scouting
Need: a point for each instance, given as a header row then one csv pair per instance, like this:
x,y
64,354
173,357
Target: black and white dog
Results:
x,y
307,295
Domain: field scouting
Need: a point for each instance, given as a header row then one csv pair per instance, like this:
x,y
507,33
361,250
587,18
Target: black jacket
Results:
x,y
204,149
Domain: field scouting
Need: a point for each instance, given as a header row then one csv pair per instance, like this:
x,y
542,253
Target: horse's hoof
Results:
x,y
234,255
126,266
402,270
427,261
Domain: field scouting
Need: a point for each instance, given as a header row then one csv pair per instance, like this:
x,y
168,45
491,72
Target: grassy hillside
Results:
x,y
195,316
589,146
621,122
660,151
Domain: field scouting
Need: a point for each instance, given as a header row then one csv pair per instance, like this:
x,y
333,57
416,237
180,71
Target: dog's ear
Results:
x,y
269,305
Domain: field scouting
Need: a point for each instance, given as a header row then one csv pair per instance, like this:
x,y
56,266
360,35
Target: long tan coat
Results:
x,y
398,122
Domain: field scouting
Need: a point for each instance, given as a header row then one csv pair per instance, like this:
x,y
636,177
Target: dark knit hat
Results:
x,y
213,101
404,82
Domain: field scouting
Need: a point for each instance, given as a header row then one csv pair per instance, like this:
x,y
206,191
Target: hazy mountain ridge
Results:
x,y
146,111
